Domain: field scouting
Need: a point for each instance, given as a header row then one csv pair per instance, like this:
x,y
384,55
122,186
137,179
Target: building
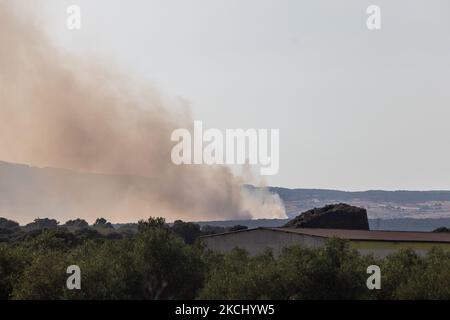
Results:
x,y
378,243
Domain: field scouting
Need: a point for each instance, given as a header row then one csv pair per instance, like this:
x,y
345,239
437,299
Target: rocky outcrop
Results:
x,y
334,216
442,229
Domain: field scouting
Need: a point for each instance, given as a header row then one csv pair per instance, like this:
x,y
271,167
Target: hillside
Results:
x,y
29,192
379,204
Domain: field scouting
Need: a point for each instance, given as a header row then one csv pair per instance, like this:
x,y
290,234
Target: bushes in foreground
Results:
x,y
332,272
155,263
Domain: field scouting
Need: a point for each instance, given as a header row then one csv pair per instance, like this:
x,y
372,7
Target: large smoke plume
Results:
x,y
62,111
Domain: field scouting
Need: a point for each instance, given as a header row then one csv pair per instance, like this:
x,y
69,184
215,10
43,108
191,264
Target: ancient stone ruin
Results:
x,y
334,216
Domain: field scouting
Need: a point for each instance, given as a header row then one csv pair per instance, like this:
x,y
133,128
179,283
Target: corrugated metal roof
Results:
x,y
404,236
407,236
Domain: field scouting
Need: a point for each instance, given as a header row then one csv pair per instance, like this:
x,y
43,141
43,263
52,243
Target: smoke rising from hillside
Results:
x,y
63,111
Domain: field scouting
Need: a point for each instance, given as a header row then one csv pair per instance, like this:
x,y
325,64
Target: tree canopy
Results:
x,y
156,260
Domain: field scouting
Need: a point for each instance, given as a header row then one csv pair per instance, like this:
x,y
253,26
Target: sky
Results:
x,y
356,109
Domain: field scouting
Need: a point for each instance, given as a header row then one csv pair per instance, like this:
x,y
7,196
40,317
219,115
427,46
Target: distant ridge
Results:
x,y
370,195
28,192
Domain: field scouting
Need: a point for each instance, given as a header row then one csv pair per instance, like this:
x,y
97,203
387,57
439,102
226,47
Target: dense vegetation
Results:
x,y
154,260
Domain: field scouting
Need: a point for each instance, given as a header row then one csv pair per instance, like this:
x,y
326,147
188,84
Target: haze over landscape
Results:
x,y
66,112
357,109
87,116
224,150
29,192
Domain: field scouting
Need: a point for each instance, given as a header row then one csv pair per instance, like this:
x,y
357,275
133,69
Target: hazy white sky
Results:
x,y
356,109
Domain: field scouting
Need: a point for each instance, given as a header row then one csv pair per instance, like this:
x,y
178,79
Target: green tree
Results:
x,y
187,230
152,223
8,224
397,270
334,271
107,270
167,267
103,223
77,223
429,280
51,240
43,279
236,275
337,272
44,223
12,264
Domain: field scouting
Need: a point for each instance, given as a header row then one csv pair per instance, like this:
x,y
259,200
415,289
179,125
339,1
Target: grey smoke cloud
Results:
x,y
62,111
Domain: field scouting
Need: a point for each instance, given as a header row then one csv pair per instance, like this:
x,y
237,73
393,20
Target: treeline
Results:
x,y
11,232
154,260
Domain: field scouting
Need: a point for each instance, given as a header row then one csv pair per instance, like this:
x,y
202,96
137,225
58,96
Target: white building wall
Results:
x,y
256,241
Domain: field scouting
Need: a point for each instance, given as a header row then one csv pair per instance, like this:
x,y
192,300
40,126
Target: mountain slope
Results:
x,y
29,192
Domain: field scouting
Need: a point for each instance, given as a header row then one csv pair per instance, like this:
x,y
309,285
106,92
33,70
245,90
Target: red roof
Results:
x,y
406,236
364,235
